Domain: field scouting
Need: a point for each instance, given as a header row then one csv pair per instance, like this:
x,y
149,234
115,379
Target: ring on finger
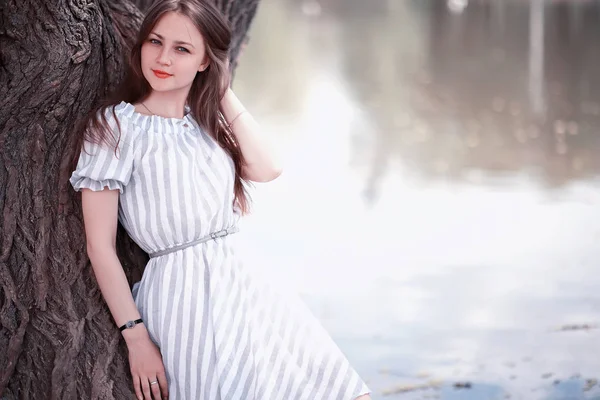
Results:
x,y
153,382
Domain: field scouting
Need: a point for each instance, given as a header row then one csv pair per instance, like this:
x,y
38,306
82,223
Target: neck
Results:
x,y
167,104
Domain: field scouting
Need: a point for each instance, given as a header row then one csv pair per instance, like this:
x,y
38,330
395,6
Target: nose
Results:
x,y
163,57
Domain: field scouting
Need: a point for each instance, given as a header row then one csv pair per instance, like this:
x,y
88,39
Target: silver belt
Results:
x,y
212,236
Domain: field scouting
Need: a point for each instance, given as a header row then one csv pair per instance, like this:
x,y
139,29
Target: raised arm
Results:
x,y
262,164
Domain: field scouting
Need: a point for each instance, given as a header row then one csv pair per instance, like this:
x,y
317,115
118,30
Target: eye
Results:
x,y
182,49
154,41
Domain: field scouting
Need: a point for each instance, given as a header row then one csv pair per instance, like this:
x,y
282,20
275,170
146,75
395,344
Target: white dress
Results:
x,y
222,333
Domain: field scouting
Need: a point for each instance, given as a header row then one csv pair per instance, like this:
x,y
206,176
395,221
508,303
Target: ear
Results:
x,y
204,65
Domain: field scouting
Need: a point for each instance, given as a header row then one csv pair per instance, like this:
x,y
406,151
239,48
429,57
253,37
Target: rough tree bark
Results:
x,y
57,338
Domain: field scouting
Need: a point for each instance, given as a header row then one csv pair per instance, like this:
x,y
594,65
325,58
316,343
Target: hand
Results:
x,y
147,366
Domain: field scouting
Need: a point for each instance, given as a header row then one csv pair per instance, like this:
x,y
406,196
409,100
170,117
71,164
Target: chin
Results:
x,y
158,85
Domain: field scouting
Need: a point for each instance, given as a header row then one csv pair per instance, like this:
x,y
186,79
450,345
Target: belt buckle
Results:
x,y
216,235
221,233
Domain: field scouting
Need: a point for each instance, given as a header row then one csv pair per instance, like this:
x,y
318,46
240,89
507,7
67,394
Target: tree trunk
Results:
x,y
57,337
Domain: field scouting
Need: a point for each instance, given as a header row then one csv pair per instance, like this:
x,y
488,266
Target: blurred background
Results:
x,y
438,211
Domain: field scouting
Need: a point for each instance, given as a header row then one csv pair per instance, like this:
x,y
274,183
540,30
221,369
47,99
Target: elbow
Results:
x,y
273,174
265,174
270,175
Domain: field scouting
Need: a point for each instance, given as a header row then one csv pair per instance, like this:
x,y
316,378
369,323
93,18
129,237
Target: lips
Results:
x,y
161,74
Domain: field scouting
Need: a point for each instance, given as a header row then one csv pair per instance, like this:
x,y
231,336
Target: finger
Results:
x,y
146,388
155,388
162,382
137,387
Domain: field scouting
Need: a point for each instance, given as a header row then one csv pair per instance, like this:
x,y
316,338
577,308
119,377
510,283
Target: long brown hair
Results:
x,y
204,98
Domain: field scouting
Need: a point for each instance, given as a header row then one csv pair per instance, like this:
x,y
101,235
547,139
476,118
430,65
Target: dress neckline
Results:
x,y
145,120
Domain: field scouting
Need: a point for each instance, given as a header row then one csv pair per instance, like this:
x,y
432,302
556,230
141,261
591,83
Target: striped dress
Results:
x,y
222,332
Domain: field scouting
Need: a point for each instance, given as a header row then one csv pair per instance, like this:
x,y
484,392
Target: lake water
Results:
x,y
439,206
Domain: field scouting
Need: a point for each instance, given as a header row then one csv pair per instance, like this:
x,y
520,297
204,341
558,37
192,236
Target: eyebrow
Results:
x,y
177,41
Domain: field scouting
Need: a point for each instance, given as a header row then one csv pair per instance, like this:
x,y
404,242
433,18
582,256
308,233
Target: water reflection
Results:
x,y
438,209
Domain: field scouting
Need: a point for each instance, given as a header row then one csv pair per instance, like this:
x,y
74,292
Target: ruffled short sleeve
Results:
x,y
100,166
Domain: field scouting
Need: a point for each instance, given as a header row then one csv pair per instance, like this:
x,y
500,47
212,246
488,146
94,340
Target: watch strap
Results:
x,y
130,324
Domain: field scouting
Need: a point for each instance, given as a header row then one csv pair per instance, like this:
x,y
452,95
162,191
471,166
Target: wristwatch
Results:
x,y
130,324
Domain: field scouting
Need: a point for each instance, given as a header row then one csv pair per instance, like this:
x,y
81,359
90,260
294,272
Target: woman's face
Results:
x,y
173,53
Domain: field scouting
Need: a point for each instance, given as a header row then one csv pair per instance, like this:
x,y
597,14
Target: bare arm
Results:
x,y
262,164
100,211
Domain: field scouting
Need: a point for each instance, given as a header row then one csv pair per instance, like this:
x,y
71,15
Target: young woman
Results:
x,y
168,156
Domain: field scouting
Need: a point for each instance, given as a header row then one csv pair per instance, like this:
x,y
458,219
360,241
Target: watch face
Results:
x,y
130,324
